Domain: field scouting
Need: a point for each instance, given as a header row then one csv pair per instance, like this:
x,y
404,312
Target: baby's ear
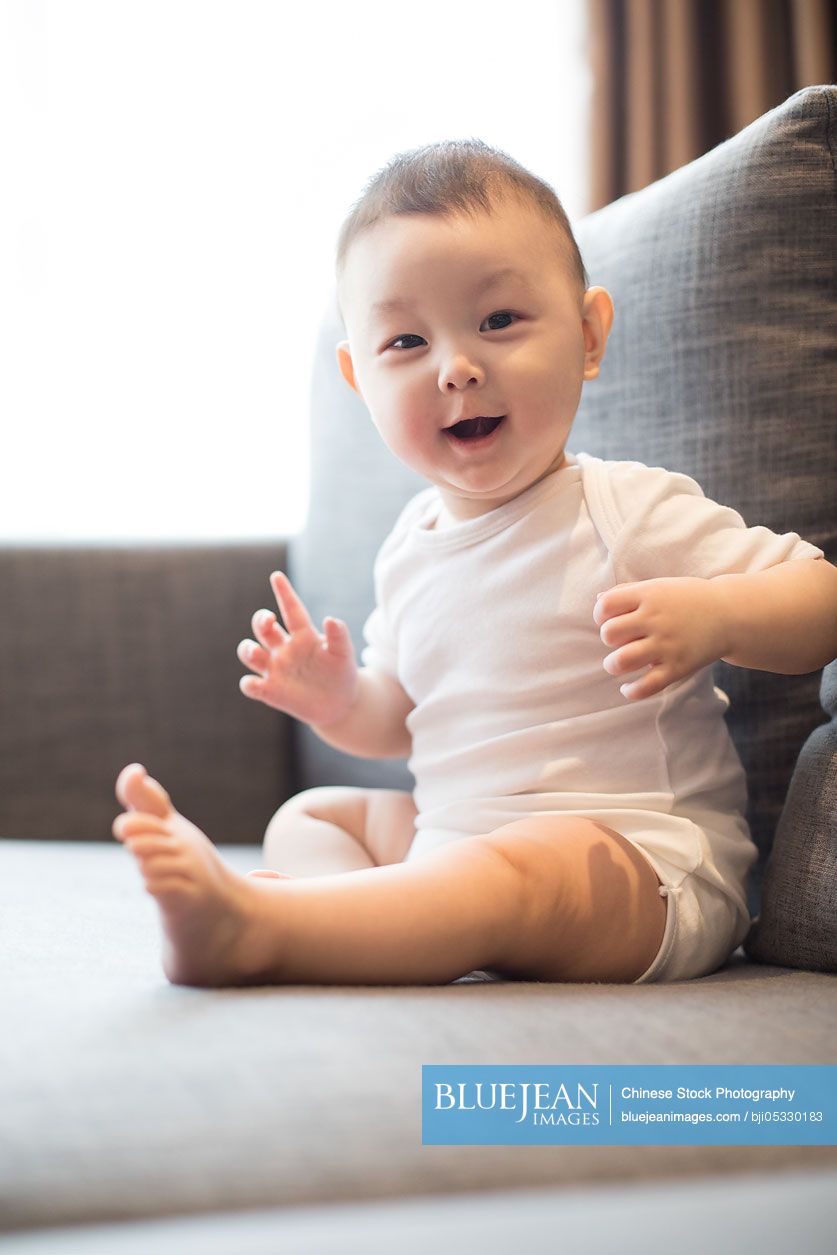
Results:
x,y
347,370
597,320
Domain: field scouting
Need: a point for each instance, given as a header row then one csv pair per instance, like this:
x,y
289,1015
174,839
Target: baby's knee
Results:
x,y
335,804
288,812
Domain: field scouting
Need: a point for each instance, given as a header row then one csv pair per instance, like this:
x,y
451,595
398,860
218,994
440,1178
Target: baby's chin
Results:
x,y
456,493
463,504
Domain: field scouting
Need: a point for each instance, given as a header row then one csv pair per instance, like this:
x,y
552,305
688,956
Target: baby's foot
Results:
x,y
212,917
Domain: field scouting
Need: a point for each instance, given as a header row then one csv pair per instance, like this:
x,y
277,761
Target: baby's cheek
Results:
x,y
554,388
412,436
419,423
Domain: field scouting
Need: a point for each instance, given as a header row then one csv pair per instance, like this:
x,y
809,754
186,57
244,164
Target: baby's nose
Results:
x,y
460,372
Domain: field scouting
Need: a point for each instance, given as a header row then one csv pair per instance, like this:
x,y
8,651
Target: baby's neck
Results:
x,y
444,519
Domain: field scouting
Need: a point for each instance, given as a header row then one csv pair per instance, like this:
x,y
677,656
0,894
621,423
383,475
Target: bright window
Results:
x,y
175,175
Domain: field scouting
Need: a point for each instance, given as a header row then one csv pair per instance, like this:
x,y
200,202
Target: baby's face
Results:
x,y
436,335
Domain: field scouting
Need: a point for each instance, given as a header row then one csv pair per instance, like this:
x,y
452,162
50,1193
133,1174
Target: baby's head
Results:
x,y
464,296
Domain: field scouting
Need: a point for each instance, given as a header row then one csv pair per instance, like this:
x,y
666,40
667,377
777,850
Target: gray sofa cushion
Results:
x,y
778,1213
722,364
798,922
122,1096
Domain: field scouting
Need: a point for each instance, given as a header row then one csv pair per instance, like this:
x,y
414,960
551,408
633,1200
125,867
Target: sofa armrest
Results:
x,y
127,653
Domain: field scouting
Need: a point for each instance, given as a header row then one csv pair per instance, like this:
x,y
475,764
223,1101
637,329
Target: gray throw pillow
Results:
x,y
722,365
797,926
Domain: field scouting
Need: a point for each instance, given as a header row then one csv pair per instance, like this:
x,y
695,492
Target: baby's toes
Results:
x,y
137,791
145,844
159,860
129,823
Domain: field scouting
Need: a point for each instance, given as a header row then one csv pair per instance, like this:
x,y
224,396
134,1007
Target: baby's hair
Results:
x,y
459,176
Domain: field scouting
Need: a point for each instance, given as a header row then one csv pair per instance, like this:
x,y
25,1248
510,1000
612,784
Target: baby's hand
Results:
x,y
311,676
672,625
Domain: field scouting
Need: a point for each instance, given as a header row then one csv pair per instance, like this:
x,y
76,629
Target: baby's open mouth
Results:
x,y
471,428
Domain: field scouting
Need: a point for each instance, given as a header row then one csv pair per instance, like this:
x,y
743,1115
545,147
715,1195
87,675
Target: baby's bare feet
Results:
x,y
214,924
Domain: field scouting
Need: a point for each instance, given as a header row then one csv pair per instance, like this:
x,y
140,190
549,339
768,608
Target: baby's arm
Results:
x,y
375,725
314,677
782,619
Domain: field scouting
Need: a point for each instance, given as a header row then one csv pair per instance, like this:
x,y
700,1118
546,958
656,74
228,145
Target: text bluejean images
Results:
x,y
644,1105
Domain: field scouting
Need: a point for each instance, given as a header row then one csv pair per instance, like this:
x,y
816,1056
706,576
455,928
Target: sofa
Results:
x,y
136,1115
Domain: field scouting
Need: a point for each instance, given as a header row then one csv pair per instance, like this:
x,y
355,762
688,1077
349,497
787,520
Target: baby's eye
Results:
x,y
501,313
394,343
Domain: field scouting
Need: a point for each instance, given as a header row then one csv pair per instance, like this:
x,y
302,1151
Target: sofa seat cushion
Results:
x,y
122,1096
791,1211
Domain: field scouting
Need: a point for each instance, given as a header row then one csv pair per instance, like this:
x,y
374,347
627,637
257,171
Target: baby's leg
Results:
x,y
593,907
424,922
542,899
335,829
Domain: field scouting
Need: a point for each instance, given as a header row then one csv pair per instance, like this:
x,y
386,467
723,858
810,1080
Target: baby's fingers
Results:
x,y
253,656
252,686
654,681
338,641
267,629
293,611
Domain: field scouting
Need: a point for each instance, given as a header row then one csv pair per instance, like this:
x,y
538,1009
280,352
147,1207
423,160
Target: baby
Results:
x,y
569,823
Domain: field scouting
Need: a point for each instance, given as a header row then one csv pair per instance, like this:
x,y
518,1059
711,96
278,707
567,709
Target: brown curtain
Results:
x,y
673,78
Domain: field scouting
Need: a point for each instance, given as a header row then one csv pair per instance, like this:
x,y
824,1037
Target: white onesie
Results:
x,y
488,626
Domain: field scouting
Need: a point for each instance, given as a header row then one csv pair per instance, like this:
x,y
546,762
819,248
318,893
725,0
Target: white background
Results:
x,y
174,176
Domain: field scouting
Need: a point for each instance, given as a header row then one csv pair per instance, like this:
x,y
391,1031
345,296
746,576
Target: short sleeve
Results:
x,y
666,526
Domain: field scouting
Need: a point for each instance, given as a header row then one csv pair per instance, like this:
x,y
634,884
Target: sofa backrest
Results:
x,y
722,364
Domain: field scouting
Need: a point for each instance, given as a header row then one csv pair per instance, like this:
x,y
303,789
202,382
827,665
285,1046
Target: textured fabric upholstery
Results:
x,y
122,1096
112,655
798,922
722,364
